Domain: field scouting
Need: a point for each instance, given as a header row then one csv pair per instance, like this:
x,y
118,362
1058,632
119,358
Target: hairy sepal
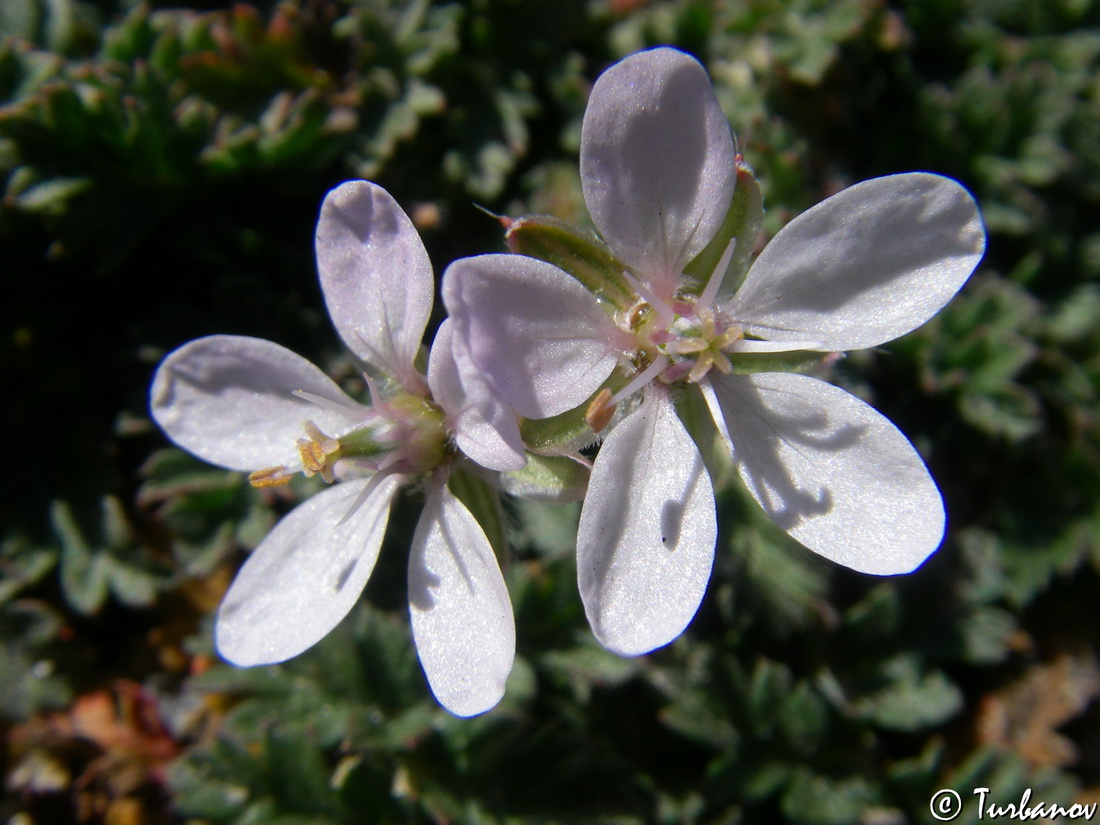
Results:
x,y
575,251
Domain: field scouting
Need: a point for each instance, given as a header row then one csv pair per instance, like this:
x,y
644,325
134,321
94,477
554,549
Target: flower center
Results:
x,y
404,434
678,341
697,340
681,341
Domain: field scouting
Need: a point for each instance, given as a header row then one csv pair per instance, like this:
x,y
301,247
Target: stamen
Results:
x,y
599,412
665,315
714,283
270,477
641,379
328,444
376,400
390,460
711,397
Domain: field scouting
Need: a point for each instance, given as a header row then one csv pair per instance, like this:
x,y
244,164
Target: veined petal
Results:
x,y
832,471
228,399
305,576
657,162
376,277
865,266
461,614
532,330
645,545
482,424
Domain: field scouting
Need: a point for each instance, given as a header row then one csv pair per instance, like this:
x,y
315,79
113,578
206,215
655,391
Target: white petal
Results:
x,y
228,399
483,425
645,545
832,471
461,614
533,331
305,576
657,162
376,277
865,266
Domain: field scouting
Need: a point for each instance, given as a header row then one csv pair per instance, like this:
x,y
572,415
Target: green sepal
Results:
x,y
361,444
743,221
578,253
483,502
746,363
696,417
560,433
568,431
551,479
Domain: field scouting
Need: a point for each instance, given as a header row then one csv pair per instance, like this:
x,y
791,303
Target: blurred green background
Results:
x,y
162,172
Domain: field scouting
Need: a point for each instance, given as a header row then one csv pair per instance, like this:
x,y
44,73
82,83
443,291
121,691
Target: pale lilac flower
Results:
x,y
251,405
865,266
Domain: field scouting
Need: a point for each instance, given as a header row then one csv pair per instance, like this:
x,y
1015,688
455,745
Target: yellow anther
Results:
x,y
599,412
318,453
270,477
313,457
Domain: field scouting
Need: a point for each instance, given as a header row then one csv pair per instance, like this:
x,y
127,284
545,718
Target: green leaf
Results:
x,y
23,564
51,197
585,667
130,584
911,698
812,799
83,572
549,528
986,633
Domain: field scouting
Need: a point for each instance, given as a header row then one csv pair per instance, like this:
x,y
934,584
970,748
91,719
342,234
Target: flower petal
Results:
x,y
305,576
657,162
533,331
832,471
376,277
461,614
228,399
483,425
645,545
865,266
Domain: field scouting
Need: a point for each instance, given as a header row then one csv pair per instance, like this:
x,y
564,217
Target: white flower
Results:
x,y
865,266
248,404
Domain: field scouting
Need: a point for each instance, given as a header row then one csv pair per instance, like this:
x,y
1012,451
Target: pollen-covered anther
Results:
x,y
599,412
270,477
318,453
